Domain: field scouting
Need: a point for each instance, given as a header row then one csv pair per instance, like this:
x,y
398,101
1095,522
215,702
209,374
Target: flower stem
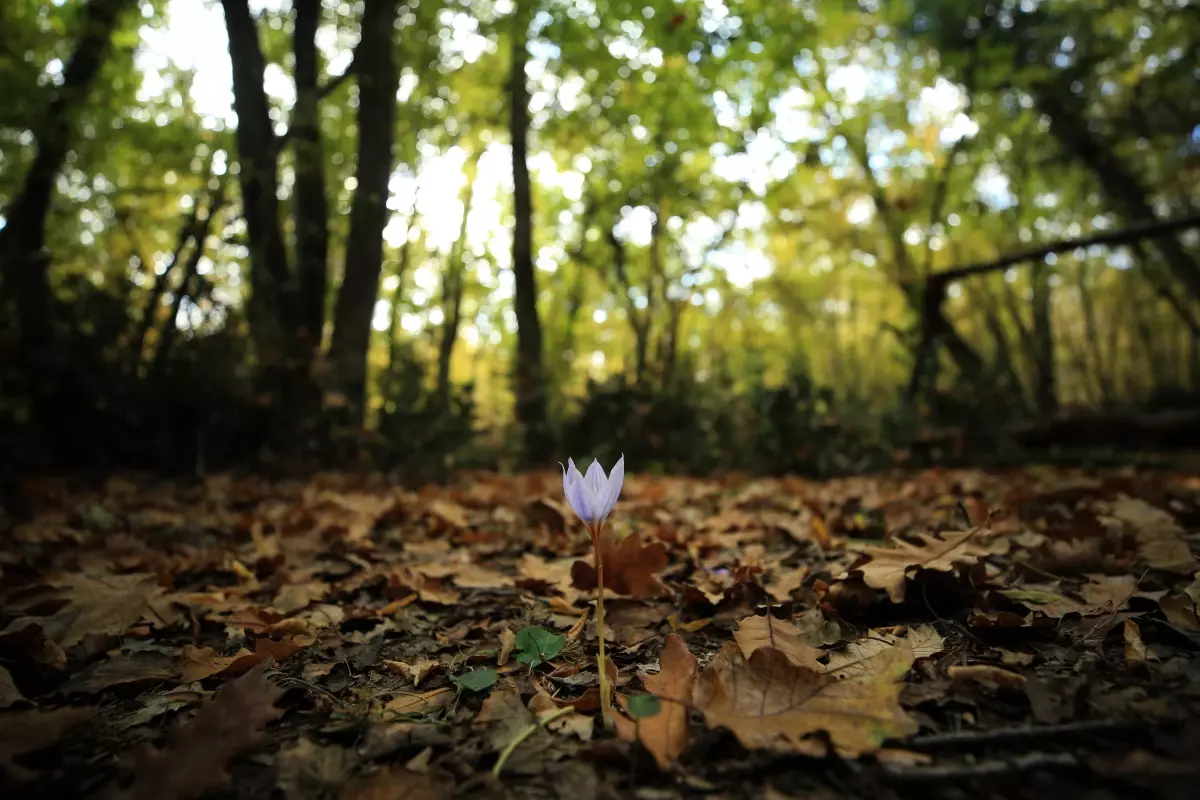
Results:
x,y
605,712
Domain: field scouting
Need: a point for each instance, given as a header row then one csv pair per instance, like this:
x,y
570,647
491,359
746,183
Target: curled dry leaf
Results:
x,y
197,663
193,761
508,640
629,567
770,703
421,703
1135,648
889,567
416,671
756,632
666,734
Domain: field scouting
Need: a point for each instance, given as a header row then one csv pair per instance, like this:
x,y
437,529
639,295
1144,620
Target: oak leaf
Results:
x,y
629,567
665,734
770,703
755,632
194,758
1159,537
101,604
889,567
28,731
858,658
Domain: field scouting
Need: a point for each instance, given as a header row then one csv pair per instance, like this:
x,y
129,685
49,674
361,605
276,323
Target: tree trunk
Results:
x,y
312,208
453,284
270,306
378,81
530,379
1045,381
25,265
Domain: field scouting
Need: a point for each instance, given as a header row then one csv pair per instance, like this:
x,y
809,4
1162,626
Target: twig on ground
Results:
x,y
975,738
984,769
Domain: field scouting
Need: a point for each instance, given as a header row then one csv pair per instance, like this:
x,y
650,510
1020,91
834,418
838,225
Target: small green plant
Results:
x,y
477,680
643,706
536,646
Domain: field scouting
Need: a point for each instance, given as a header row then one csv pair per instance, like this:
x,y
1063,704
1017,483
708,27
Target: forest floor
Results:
x,y
946,633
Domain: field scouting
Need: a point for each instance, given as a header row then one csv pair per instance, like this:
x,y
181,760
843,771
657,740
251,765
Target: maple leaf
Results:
x,y
889,567
194,758
102,604
629,567
665,734
755,632
770,703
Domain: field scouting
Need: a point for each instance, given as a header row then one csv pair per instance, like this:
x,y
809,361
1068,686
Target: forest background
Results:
x,y
761,235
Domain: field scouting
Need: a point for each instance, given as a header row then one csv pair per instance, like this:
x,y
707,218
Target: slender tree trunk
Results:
x,y
270,307
529,373
187,233
378,81
453,284
24,263
1045,386
312,207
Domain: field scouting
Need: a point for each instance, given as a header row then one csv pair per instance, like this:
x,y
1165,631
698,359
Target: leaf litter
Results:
x,y
347,637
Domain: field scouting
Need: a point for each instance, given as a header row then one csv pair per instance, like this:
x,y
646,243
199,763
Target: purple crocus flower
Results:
x,y
592,496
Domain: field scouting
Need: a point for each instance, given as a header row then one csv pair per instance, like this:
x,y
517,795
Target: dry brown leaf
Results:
x,y
508,641
985,674
666,734
198,663
574,723
307,770
1160,539
422,703
857,657
1135,648
770,703
397,783
505,718
99,604
889,567
123,670
298,596
629,567
415,672
757,632
193,761
28,731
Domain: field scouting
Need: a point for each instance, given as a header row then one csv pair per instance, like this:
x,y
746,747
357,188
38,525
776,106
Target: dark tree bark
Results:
x,y
187,232
312,207
1045,382
453,286
25,264
529,376
270,307
639,318
378,81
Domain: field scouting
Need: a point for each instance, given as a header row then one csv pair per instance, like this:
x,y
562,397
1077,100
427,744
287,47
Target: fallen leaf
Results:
x,y
629,567
123,670
298,596
575,724
197,663
1135,648
1160,539
985,674
94,604
504,718
196,752
857,657
307,770
665,734
415,672
889,567
28,731
508,640
397,783
757,632
769,703
421,703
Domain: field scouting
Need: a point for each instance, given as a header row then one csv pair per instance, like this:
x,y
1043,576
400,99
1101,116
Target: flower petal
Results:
x,y
596,479
612,489
578,496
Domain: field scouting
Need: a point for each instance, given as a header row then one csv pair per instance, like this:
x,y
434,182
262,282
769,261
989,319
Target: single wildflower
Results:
x,y
592,497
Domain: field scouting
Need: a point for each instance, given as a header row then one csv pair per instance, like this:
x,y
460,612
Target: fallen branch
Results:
x,y
984,769
973,738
